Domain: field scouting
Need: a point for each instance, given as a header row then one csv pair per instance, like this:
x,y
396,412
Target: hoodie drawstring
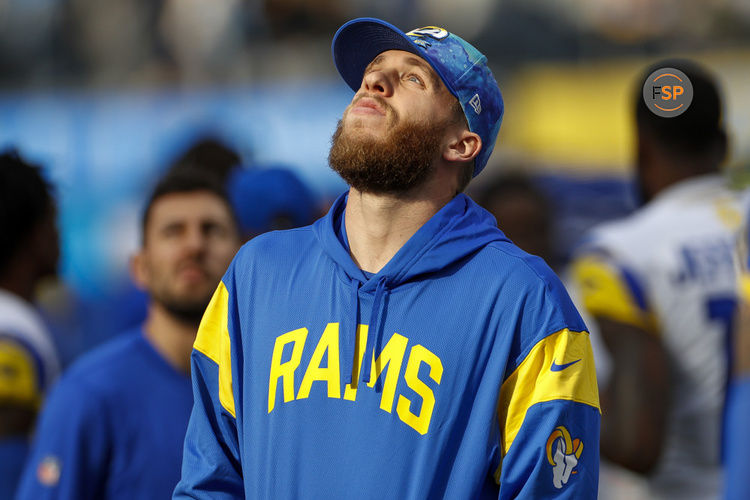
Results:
x,y
349,337
374,337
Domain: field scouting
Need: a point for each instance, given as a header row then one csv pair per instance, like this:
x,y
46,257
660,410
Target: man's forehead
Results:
x,y
189,204
409,57
406,58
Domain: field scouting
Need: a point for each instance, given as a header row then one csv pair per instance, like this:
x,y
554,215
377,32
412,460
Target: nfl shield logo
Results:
x,y
48,472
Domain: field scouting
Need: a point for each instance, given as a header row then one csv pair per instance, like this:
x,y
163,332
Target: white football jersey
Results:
x,y
28,358
668,268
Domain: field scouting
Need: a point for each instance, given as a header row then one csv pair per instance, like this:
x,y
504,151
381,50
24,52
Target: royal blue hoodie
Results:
x,y
480,381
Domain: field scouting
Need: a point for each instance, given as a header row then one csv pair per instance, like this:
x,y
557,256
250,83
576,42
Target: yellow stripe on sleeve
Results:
x,y
558,367
744,287
19,382
213,341
605,294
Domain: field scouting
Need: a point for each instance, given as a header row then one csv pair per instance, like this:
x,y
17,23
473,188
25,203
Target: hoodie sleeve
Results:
x,y
736,435
737,440
211,462
548,408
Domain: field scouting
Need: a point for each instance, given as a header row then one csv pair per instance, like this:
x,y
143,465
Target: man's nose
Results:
x,y
378,82
195,240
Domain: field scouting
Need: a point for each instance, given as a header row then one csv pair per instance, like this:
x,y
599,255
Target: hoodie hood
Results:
x,y
456,231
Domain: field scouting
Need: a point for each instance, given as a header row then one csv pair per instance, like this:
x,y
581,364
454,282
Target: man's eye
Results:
x,y
414,78
216,230
171,230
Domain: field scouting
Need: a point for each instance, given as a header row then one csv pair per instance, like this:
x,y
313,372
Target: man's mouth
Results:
x,y
368,106
192,273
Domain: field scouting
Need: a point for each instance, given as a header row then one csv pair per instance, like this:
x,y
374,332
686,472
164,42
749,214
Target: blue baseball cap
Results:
x,y
461,67
270,198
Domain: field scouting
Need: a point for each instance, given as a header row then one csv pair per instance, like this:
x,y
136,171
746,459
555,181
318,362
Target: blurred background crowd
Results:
x,y
107,95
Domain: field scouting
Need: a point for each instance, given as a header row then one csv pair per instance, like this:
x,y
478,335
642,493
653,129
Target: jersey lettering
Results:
x,y
324,366
392,357
350,393
285,371
705,263
419,422
328,344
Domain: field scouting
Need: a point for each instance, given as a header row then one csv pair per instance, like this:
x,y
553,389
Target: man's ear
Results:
x,y
463,147
139,270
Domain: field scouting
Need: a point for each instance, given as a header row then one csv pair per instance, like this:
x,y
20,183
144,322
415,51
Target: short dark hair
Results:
x,y
209,153
26,199
698,130
510,183
186,180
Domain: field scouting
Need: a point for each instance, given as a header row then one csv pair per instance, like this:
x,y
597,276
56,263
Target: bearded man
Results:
x,y
113,426
401,346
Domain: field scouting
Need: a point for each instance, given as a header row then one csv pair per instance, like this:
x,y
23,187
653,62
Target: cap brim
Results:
x,y
359,41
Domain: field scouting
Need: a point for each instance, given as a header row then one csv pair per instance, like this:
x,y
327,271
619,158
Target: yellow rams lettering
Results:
x,y
419,355
392,357
350,393
285,371
325,365
329,343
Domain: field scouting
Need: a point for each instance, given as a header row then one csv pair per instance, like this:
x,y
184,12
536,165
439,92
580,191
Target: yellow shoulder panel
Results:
x,y
19,382
558,367
213,341
605,294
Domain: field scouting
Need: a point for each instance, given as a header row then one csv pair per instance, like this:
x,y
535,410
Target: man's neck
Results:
x,y
377,226
676,173
171,338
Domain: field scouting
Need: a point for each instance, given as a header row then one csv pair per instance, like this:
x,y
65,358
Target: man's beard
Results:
x,y
184,311
188,310
399,162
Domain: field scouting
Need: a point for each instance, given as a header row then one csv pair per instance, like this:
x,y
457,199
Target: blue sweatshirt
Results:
x,y
112,428
737,444
479,380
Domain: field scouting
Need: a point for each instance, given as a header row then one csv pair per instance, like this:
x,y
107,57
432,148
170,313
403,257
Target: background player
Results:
x,y
114,425
523,212
400,347
661,286
29,251
269,199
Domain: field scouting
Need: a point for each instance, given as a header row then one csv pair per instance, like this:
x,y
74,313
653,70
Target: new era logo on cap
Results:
x,y
476,103
461,67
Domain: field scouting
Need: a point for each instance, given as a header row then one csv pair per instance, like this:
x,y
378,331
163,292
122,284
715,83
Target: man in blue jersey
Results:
x,y
113,427
401,346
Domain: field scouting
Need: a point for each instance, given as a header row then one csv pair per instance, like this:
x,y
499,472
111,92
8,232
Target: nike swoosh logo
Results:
x,y
558,368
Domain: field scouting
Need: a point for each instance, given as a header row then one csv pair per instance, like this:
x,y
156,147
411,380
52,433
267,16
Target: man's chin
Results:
x,y
192,288
186,312
360,134
186,307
